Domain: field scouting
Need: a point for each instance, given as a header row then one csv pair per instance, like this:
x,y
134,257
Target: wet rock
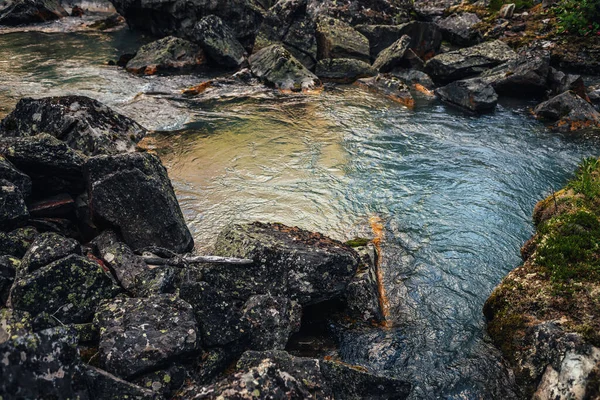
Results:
x,y
133,193
474,95
40,365
58,206
568,112
47,248
69,289
460,29
14,323
343,70
389,86
178,17
166,54
219,42
21,12
104,386
8,268
304,266
82,123
393,56
107,24
52,165
525,75
13,211
16,243
276,67
337,39
559,82
272,321
219,316
125,265
139,335
469,61
10,173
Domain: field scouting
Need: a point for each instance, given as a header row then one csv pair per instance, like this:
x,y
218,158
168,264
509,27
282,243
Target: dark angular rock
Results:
x,y
69,289
139,335
272,321
304,266
459,29
469,61
125,265
474,95
165,382
82,123
21,12
412,77
594,95
569,113
13,211
276,67
337,39
165,55
133,193
156,280
393,56
16,243
104,386
8,268
58,206
354,12
219,42
343,70
14,323
559,82
389,86
10,173
525,75
52,165
47,248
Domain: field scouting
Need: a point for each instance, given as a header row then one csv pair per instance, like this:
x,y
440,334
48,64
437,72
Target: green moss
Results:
x,y
357,242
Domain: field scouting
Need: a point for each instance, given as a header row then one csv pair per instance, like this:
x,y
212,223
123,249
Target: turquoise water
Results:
x,y
454,192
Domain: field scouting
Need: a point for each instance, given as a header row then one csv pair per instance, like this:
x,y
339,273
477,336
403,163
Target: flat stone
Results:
x,y
168,54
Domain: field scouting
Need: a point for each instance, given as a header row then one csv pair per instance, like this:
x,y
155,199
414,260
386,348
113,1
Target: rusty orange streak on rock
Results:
x,y
194,90
424,90
384,303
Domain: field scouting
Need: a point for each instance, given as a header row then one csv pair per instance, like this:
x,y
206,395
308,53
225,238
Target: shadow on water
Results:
x,y
454,193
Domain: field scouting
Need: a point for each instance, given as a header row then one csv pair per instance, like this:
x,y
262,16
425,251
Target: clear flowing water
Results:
x,y
454,192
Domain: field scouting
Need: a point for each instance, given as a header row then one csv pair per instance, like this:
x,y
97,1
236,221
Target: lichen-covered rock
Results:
x,y
354,12
52,165
125,265
219,42
469,61
568,113
276,67
47,248
10,173
411,76
21,12
393,56
141,334
165,55
14,323
474,95
525,75
164,382
13,211
84,124
459,28
16,243
156,280
306,267
272,321
343,70
133,193
69,289
8,268
337,39
390,86
102,385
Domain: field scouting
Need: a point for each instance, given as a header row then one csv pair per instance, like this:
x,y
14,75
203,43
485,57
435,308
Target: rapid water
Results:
x,y
454,192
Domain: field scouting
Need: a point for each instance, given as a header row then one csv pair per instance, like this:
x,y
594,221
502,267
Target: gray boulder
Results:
x,y
166,55
21,12
526,75
337,39
219,42
474,95
389,86
47,248
393,56
343,70
568,113
459,29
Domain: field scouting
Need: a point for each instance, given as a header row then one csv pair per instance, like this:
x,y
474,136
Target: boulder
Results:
x,y
343,70
165,382
559,82
414,77
124,264
132,192
178,17
13,211
84,124
21,12
156,280
593,93
47,248
102,385
474,95
467,62
391,87
141,334
272,321
276,67
16,243
52,165
393,56
69,289
355,12
337,39
460,29
166,55
304,266
10,173
219,42
8,268
568,112
14,323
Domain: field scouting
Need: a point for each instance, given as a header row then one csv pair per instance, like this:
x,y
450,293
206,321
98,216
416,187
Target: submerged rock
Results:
x,y
343,70
139,335
276,67
219,42
569,113
474,95
166,54
133,193
460,29
21,12
82,123
337,39
391,87
13,211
